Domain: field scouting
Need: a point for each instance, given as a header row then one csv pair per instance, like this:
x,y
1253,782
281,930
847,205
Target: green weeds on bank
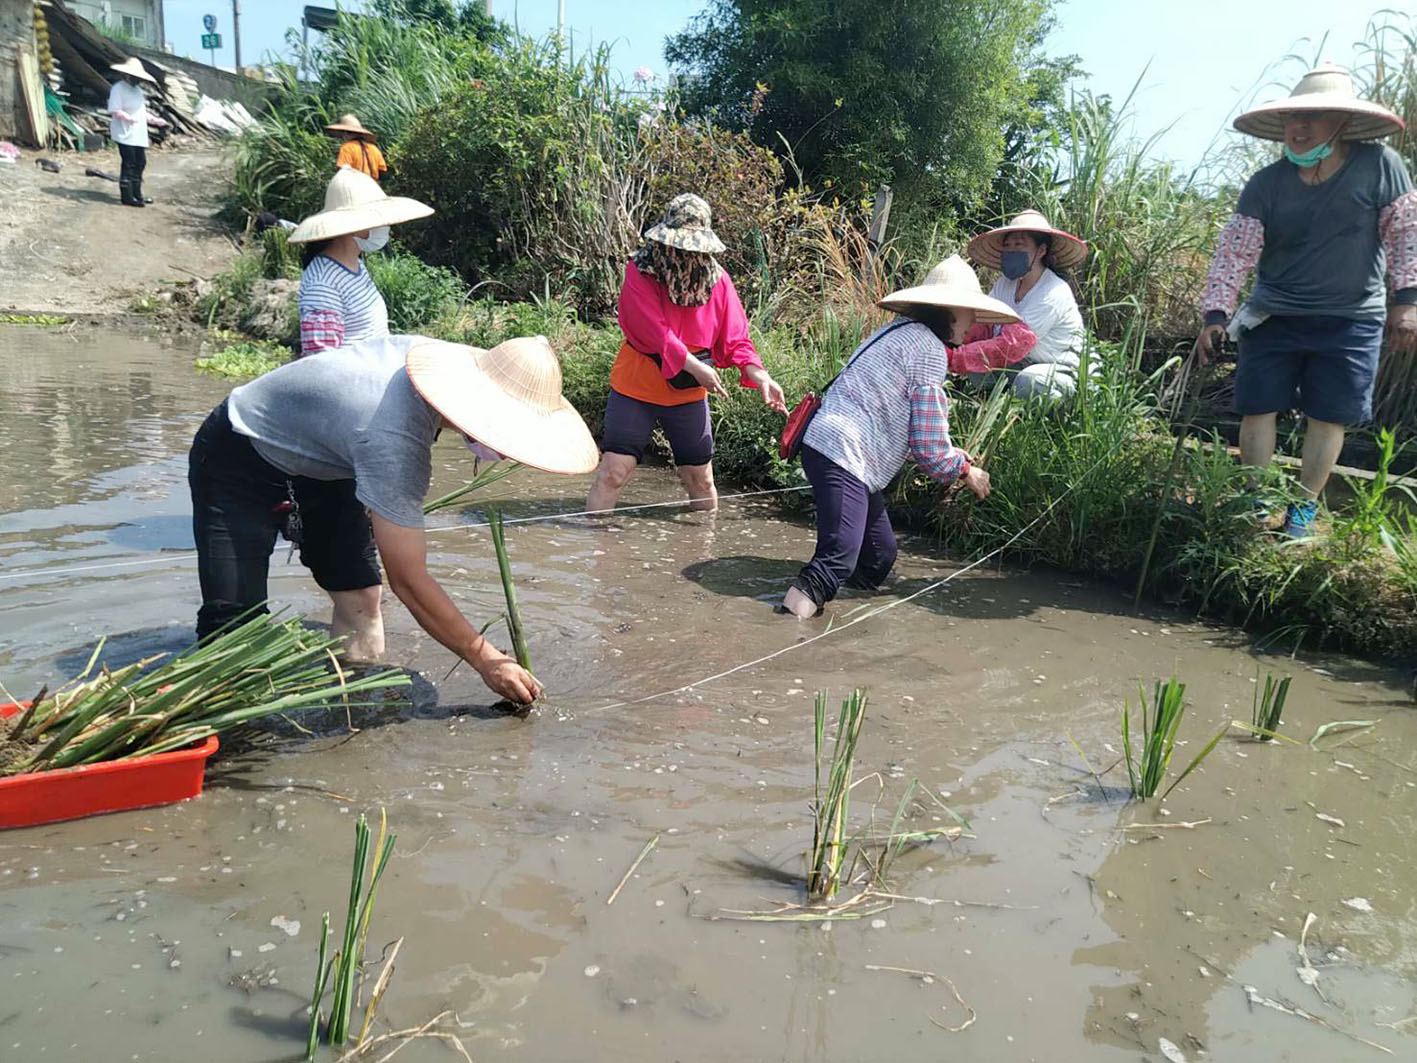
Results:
x,y
245,359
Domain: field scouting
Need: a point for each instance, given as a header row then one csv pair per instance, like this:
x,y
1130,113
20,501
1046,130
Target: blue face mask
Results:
x,y
1312,157
1014,264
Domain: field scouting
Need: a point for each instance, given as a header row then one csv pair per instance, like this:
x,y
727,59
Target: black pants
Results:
x,y
237,499
130,175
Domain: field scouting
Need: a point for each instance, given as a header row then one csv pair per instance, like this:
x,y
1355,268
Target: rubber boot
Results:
x,y
125,192
139,200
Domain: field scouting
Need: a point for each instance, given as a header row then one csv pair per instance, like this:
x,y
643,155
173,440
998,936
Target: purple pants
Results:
x,y
855,543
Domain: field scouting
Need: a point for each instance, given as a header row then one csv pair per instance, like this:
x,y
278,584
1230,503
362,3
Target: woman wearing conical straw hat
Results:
x,y
886,405
1046,345
128,119
350,435
683,321
1318,228
339,302
358,150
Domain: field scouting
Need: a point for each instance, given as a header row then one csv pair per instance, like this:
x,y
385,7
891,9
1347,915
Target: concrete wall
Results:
x,y
112,11
218,84
16,28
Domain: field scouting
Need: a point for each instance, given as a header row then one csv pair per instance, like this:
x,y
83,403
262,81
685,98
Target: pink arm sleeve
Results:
x,y
320,330
1237,252
733,346
1397,225
642,321
1011,344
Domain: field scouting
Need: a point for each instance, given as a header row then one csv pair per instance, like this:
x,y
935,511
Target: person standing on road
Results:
x,y
339,302
1319,227
887,404
348,436
1028,252
683,321
359,152
128,120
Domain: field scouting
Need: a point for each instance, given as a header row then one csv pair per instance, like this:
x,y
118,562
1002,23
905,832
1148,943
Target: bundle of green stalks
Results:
x,y
1268,708
509,591
346,967
1161,720
258,666
830,845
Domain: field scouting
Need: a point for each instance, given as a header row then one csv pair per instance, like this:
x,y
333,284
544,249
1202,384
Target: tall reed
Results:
x,y
345,968
832,793
509,590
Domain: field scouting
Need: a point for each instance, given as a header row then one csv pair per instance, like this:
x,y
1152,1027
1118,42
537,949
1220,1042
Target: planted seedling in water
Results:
x,y
832,798
346,966
1268,708
1147,765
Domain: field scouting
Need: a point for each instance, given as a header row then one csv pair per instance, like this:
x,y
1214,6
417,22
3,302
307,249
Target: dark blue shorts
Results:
x,y
629,423
1323,365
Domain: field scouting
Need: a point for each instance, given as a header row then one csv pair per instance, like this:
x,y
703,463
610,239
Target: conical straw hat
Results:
x,y
355,202
1325,88
952,284
507,398
1068,250
133,67
349,123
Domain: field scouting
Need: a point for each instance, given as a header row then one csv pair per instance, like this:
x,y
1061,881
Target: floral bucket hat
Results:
x,y
687,225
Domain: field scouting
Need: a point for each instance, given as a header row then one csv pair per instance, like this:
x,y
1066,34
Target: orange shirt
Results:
x,y
362,156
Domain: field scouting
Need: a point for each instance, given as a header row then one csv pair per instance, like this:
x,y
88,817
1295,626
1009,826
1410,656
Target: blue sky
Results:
x,y
1205,56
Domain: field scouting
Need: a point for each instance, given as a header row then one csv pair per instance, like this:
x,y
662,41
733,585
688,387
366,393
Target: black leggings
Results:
x,y
237,512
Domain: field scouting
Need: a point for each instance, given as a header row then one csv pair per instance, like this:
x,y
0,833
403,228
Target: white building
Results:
x,y
138,19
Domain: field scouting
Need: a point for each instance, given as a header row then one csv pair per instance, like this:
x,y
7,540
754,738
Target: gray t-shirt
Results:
x,y
1322,251
346,414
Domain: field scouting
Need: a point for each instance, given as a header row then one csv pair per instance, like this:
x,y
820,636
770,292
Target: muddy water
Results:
x,y
149,935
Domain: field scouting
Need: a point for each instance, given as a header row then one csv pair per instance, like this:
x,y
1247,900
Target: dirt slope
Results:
x,y
66,245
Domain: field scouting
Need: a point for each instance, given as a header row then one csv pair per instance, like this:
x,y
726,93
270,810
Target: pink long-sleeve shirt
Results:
x,y
654,324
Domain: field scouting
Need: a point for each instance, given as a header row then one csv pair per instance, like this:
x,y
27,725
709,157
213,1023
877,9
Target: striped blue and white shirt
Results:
x,y
339,306
887,405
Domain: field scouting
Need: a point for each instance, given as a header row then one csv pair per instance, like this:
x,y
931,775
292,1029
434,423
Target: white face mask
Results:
x,y
375,241
480,452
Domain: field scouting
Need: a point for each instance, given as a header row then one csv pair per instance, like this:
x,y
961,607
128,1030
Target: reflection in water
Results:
x,y
1073,940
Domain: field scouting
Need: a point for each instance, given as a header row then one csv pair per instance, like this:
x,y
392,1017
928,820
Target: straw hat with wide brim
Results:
x,y
355,202
133,67
687,225
1325,88
1068,250
507,398
954,285
348,123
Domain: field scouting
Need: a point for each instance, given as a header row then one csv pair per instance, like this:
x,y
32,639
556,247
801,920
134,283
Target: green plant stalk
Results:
x,y
322,974
509,590
347,961
1268,708
831,808
483,478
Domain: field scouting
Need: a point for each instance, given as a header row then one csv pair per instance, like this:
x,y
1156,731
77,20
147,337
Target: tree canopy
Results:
x,y
919,93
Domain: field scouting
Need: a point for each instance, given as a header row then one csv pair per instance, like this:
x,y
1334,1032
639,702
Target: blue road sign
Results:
x,y
209,23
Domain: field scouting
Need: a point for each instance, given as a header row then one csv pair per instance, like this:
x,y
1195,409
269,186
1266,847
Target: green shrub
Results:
x,y
418,295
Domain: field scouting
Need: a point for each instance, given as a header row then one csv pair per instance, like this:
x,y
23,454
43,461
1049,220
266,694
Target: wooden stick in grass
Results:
x,y
504,566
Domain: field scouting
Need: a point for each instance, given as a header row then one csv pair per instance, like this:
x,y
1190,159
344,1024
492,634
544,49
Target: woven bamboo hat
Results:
x,y
355,202
954,285
349,123
1068,250
507,398
1325,88
133,68
687,225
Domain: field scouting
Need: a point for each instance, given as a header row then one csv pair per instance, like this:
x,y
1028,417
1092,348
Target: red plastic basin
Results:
x,y
91,789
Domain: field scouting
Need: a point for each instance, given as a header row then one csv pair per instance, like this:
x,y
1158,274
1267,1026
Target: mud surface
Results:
x,y
1086,928
67,246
